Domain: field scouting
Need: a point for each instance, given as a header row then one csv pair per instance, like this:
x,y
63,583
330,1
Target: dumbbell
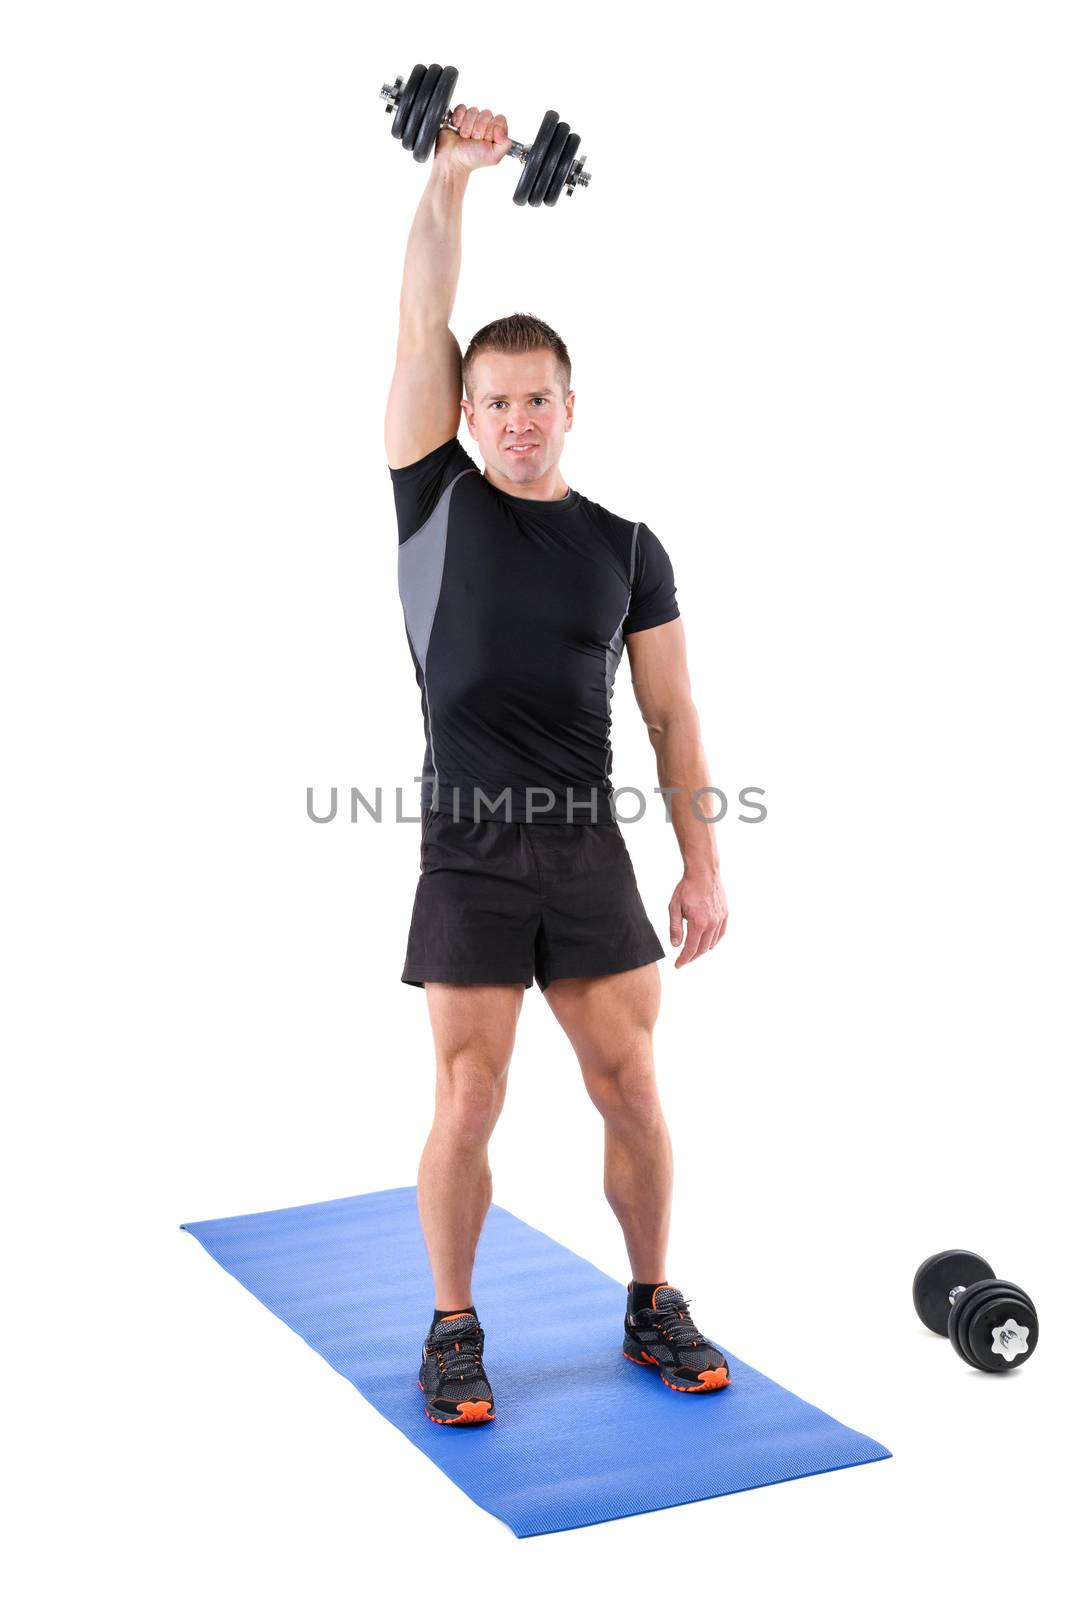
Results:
x,y
421,106
991,1323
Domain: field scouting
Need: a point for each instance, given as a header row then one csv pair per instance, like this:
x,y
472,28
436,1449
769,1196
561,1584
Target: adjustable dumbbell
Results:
x,y
421,108
991,1323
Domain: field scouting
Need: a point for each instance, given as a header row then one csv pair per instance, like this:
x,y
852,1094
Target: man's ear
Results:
x,y
468,409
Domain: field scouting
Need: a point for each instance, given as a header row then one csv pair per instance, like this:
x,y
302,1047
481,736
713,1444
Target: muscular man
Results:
x,y
519,594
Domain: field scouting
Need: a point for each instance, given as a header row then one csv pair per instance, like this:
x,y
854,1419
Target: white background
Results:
x,y
813,299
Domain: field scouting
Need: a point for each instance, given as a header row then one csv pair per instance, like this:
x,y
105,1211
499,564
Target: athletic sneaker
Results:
x,y
452,1378
664,1336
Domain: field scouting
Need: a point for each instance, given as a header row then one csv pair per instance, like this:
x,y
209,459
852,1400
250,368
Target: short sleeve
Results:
x,y
654,595
418,486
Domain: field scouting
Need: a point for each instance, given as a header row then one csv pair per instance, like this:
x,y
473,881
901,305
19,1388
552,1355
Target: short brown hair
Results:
x,y
517,335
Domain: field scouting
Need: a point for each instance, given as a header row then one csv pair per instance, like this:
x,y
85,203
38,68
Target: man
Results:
x,y
518,595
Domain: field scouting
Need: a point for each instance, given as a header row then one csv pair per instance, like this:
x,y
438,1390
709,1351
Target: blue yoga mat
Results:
x,y
580,1435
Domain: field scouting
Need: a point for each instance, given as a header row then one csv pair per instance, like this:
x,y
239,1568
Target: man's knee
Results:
x,y
624,1086
470,1086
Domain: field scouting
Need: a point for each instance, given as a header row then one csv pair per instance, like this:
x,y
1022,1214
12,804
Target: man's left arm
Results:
x,y
659,666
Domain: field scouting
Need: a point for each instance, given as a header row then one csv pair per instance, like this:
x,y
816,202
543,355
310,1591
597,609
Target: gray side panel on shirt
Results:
x,y
421,572
632,553
612,653
611,657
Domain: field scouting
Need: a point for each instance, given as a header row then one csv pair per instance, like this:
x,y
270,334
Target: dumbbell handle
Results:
x,y
516,149
391,93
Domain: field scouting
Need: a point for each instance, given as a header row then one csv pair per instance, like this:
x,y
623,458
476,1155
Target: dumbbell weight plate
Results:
x,y
549,164
995,1323
534,160
984,1307
960,1311
416,119
936,1277
561,172
406,99
435,112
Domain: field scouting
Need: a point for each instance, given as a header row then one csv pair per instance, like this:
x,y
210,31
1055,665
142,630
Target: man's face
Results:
x,y
519,415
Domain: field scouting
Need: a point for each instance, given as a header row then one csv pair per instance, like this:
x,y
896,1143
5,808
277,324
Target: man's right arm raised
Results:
x,y
423,403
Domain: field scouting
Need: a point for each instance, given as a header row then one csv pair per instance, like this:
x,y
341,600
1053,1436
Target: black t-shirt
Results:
x,y
516,611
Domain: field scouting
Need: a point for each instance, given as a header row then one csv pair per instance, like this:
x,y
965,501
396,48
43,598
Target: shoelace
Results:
x,y
458,1358
674,1323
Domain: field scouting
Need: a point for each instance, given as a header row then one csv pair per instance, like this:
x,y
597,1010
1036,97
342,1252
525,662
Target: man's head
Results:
x,y
517,377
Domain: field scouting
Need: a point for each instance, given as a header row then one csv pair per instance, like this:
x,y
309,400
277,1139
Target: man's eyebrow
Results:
x,y
532,394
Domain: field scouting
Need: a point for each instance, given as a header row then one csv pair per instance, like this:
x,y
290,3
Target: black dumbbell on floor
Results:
x,y
992,1324
420,107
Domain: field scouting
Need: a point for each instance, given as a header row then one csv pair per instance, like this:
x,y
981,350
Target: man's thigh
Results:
x,y
474,1022
608,1019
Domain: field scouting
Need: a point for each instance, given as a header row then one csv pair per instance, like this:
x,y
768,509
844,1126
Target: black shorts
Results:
x,y
507,902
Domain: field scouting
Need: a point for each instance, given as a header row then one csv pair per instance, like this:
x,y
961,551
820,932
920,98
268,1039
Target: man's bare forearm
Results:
x,y
682,768
434,252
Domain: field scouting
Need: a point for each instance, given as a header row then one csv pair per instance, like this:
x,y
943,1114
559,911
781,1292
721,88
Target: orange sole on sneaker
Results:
x,y
470,1411
714,1378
